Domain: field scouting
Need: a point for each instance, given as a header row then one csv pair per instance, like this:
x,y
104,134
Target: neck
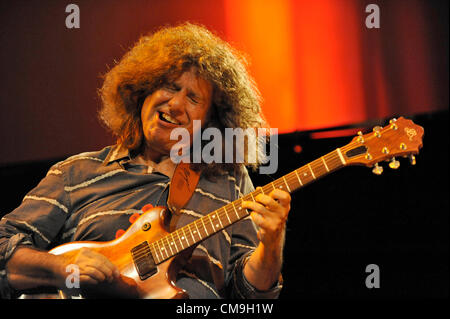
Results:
x,y
152,156
160,162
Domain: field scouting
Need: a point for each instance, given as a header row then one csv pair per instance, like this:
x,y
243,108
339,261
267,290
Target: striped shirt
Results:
x,y
96,196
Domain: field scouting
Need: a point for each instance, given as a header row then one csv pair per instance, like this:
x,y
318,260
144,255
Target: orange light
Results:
x,y
263,29
297,149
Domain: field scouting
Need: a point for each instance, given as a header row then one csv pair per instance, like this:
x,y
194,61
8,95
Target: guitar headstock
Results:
x,y
400,138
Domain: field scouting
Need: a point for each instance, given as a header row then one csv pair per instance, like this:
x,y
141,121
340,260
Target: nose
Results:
x,y
177,102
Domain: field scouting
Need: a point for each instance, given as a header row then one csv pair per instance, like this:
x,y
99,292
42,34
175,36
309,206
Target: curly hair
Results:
x,y
163,56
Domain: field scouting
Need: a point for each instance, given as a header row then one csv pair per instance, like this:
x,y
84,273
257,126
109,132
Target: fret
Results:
x,y
206,230
298,177
189,228
267,188
273,185
164,247
179,239
304,173
287,185
314,176
211,222
238,217
185,237
226,214
199,235
174,242
338,150
318,168
160,251
325,164
293,181
276,183
156,251
220,221
215,217
170,245
240,207
329,162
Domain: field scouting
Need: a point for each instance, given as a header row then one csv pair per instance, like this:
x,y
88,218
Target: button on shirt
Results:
x,y
96,196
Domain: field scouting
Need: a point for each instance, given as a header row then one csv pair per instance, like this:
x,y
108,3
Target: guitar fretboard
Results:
x,y
216,221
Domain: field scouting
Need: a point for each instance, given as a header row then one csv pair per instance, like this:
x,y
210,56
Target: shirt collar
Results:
x,y
117,153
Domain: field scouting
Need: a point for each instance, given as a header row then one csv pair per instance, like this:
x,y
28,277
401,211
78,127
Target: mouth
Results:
x,y
168,119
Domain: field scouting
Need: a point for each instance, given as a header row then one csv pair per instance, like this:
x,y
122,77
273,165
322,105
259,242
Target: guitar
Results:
x,y
149,258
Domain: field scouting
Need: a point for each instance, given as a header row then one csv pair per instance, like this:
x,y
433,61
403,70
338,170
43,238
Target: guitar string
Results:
x,y
330,159
226,211
335,161
220,215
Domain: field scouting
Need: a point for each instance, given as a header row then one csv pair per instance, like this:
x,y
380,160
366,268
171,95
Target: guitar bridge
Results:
x,y
143,260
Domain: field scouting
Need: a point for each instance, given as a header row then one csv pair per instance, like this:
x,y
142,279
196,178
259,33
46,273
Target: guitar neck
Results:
x,y
221,218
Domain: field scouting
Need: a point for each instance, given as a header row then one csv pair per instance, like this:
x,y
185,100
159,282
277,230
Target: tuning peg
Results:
x,y
412,159
360,137
393,124
377,170
377,130
394,164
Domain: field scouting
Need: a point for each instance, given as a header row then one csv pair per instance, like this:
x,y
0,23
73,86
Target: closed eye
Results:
x,y
194,99
173,87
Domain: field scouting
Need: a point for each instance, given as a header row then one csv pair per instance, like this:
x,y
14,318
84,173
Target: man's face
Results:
x,y
174,105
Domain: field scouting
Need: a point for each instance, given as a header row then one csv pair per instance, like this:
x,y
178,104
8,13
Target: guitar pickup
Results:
x,y
143,260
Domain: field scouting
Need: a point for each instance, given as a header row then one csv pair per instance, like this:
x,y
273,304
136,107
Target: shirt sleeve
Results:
x,y
36,222
243,243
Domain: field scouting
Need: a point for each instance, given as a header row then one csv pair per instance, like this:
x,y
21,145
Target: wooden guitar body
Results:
x,y
160,278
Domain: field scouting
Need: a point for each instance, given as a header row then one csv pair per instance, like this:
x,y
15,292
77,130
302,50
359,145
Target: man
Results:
x,y
167,80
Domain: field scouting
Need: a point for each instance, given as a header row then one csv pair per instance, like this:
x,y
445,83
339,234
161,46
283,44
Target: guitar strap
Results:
x,y
182,187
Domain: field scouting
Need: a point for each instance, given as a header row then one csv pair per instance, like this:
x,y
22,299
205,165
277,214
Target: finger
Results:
x,y
256,207
106,271
259,220
103,264
88,280
92,273
283,197
267,201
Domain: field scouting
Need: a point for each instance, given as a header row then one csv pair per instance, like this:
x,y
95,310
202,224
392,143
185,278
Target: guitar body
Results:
x,y
149,227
